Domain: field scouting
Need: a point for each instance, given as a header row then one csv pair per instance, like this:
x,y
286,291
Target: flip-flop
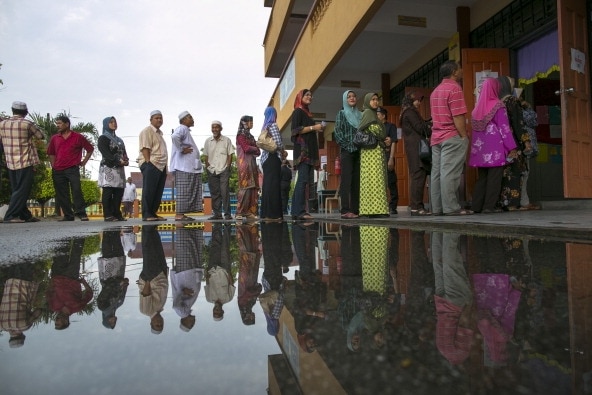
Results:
x,y
151,219
161,219
185,218
461,211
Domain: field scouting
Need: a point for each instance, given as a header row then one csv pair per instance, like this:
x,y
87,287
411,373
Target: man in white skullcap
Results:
x,y
153,161
17,136
187,168
218,150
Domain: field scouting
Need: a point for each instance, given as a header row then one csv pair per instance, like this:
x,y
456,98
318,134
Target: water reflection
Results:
x,y
348,309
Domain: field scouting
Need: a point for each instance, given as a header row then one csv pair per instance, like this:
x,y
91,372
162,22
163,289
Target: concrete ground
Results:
x,y
569,221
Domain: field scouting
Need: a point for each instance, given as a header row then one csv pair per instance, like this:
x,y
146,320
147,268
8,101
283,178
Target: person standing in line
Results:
x,y
306,152
530,124
271,163
17,136
389,152
219,287
111,170
187,168
153,165
286,184
373,199
65,150
414,127
491,143
218,151
346,124
248,173
129,196
449,141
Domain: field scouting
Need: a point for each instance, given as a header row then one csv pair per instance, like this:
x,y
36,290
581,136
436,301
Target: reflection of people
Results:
x,y
187,274
128,240
491,144
153,161
153,283
219,282
129,196
306,152
453,298
271,163
64,294
249,257
373,200
64,151
310,290
111,170
414,128
248,172
218,151
112,276
17,137
17,308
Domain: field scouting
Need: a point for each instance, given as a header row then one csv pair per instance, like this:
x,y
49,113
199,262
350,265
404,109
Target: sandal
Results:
x,y
303,217
151,219
462,211
420,212
159,218
185,218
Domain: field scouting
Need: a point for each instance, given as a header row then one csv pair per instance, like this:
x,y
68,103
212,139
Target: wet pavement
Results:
x,y
404,305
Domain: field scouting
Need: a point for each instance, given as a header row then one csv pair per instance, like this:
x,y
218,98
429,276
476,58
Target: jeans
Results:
x,y
299,196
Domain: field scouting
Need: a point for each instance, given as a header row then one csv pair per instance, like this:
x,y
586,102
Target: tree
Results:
x,y
44,190
90,192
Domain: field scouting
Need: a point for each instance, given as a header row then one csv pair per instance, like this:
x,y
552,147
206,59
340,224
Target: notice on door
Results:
x,y
578,60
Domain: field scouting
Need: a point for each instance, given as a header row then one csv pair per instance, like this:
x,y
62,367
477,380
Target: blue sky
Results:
x,y
126,58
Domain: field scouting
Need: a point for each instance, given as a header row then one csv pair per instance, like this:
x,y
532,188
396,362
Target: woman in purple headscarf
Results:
x,y
271,163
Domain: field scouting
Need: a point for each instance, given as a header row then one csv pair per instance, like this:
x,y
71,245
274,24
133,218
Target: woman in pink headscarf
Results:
x,y
492,145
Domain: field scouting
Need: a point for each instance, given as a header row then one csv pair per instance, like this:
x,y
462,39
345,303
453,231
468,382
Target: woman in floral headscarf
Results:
x,y
373,199
111,170
248,173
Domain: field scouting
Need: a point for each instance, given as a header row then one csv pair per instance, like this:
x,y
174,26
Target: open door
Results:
x,y
475,60
576,112
401,168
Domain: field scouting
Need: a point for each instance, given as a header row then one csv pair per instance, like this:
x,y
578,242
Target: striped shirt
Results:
x,y
446,102
16,135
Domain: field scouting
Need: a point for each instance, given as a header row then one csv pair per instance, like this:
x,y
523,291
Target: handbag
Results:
x,y
425,150
365,140
266,142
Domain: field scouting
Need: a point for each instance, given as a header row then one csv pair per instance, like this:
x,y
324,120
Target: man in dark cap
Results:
x,y
17,137
391,131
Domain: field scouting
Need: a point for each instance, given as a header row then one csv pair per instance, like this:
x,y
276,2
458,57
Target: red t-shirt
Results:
x,y
68,152
446,102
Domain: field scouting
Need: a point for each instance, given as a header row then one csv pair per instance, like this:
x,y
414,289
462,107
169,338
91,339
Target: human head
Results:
x,y
156,119
381,114
246,123
270,116
17,339
63,123
109,124
303,100
371,101
349,99
307,342
19,108
217,311
449,69
216,129
129,179
185,118
62,321
506,85
247,316
157,324
187,323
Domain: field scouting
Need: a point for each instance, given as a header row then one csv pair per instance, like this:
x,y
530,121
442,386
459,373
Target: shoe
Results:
x,y
303,217
252,218
110,219
15,221
461,211
185,218
228,217
215,218
150,219
159,218
394,212
32,219
83,217
348,216
420,213
488,211
238,217
120,219
65,219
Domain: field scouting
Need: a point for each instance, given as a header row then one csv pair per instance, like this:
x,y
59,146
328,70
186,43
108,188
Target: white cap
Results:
x,y
155,112
19,105
183,115
214,122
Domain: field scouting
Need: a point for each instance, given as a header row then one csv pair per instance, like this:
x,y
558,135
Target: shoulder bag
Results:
x,y
266,142
365,140
425,150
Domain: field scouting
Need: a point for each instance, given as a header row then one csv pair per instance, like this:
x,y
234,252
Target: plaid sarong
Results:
x,y
188,192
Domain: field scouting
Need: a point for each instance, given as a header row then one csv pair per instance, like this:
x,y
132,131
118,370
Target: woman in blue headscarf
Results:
x,y
347,122
271,163
111,170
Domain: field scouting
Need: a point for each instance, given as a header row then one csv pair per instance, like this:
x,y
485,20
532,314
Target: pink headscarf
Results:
x,y
487,104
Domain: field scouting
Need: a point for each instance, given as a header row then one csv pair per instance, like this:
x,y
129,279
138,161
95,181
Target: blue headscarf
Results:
x,y
352,114
110,133
270,117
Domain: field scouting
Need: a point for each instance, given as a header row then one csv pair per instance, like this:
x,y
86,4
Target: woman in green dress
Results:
x,y
373,198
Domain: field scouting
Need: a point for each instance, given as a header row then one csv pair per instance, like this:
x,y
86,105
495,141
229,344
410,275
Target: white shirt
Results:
x,y
129,194
188,163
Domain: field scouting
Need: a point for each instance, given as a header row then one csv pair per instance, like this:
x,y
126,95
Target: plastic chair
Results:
x,y
329,201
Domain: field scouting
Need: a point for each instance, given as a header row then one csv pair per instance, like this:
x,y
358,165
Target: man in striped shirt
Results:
x,y
17,137
449,141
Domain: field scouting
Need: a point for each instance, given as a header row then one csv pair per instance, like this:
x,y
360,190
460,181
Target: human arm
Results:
x,y
88,148
460,124
178,137
245,143
109,159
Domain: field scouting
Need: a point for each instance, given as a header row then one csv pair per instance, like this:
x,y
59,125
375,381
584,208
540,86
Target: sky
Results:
x,y
100,58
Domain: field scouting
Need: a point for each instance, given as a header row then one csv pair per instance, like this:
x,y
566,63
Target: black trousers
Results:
x,y
153,180
21,182
64,182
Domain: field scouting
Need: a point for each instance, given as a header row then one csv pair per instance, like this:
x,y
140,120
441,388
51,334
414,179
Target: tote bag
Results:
x,y
266,142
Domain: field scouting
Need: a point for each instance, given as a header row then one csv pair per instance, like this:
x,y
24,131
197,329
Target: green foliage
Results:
x,y
90,192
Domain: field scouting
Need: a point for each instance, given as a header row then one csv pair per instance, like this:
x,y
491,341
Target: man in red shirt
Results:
x,y
65,150
449,141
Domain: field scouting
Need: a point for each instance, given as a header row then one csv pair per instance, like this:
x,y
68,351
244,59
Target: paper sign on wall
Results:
x,y
578,60
480,76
